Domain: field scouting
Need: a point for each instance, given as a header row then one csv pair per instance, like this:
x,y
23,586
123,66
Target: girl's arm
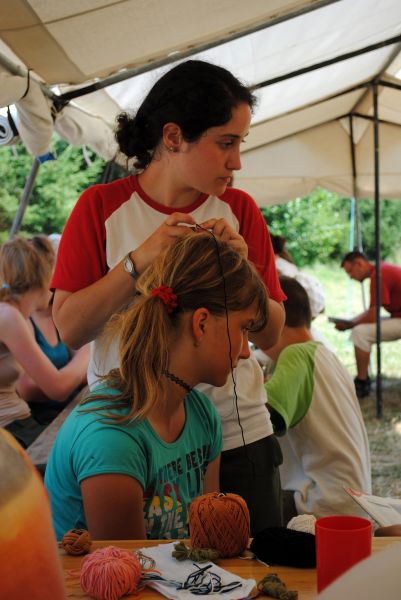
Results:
x,y
113,506
30,391
80,316
212,477
16,335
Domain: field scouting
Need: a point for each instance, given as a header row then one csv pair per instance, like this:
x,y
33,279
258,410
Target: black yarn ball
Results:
x,y
282,546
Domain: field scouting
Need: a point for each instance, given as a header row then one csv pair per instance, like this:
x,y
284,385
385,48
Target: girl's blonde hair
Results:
x,y
193,267
25,265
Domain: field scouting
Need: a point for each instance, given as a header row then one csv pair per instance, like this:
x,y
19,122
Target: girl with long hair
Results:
x,y
129,459
44,409
24,287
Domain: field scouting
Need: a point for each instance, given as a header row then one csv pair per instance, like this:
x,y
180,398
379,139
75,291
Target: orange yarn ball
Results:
x,y
221,522
110,573
76,542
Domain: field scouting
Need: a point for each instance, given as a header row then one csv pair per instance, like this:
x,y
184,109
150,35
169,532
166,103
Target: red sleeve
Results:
x,y
254,230
81,257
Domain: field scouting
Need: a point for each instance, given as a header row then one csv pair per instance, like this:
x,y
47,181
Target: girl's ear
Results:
x,y
200,323
172,136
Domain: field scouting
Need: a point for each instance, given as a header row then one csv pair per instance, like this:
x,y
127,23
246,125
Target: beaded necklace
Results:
x,y
177,380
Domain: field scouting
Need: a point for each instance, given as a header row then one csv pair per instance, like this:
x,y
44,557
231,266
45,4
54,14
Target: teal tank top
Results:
x,y
58,354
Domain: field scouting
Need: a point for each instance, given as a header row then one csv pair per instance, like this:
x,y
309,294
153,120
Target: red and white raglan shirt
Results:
x,y
110,220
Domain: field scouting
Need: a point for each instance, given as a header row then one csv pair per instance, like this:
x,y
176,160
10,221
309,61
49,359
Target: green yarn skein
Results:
x,y
182,552
272,586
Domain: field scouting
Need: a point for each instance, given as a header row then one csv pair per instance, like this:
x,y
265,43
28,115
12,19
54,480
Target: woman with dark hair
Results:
x,y
185,141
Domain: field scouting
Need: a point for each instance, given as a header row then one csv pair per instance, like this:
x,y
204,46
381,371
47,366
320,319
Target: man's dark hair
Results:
x,y
297,307
351,256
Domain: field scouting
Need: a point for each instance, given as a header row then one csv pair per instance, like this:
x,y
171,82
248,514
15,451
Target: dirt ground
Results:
x,y
385,438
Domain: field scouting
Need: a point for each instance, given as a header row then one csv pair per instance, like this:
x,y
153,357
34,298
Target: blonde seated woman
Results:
x,y
43,408
24,283
128,461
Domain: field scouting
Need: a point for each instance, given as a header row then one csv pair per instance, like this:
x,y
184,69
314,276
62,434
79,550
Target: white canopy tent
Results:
x,y
325,72
300,133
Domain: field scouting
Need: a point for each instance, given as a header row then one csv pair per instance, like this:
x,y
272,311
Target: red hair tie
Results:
x,y
167,296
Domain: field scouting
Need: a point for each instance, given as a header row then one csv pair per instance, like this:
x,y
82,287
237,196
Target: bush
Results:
x,y
57,187
317,227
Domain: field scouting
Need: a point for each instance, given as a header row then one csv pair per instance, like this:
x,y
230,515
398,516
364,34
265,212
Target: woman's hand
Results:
x,y
80,316
223,231
161,238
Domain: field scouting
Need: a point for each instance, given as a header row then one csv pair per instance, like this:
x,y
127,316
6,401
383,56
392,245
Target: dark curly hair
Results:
x,y
196,95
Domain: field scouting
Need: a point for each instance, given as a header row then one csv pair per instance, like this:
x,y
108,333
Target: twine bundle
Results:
x,y
221,522
110,573
198,555
272,586
76,542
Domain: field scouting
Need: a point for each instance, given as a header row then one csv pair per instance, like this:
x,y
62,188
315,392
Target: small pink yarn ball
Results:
x,y
110,573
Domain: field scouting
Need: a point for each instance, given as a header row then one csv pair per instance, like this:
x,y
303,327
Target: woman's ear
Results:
x,y
172,137
200,323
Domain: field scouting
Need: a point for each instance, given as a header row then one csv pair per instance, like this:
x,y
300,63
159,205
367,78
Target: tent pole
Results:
x,y
325,63
108,172
357,213
379,400
15,69
26,194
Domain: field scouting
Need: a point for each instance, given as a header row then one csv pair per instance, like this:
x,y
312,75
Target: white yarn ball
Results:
x,y
304,523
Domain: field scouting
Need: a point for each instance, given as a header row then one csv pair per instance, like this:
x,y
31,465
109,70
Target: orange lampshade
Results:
x,y
29,562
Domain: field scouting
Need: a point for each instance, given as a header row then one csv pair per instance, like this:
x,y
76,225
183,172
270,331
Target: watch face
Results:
x,y
128,265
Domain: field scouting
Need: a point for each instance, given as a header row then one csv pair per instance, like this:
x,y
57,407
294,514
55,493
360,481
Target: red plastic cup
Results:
x,y
341,542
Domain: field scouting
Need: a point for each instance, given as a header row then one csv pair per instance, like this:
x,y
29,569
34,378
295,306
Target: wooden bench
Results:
x,y
40,449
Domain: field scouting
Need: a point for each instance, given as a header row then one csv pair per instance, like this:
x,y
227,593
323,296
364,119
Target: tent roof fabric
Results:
x,y
300,134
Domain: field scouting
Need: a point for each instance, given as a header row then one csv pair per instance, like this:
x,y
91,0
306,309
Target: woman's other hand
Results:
x,y
222,230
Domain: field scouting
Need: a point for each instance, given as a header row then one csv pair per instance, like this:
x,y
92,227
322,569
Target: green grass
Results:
x,y
344,299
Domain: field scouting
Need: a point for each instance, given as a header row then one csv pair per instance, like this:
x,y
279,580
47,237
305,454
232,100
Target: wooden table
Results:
x,y
303,580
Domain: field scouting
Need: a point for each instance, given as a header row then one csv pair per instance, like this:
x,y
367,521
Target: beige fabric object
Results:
x,y
300,136
79,128
35,123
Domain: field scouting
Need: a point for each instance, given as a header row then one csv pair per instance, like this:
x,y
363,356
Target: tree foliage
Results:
x,y
317,227
57,187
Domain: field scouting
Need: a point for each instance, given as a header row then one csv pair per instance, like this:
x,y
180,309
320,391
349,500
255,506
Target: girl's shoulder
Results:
x,y
10,316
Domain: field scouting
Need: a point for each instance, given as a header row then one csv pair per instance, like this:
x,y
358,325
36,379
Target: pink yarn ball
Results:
x,y
110,573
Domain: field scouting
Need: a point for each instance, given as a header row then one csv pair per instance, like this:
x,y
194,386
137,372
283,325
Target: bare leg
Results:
x,y
362,362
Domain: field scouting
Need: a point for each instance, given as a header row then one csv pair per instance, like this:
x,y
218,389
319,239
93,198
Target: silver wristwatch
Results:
x,y
129,266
